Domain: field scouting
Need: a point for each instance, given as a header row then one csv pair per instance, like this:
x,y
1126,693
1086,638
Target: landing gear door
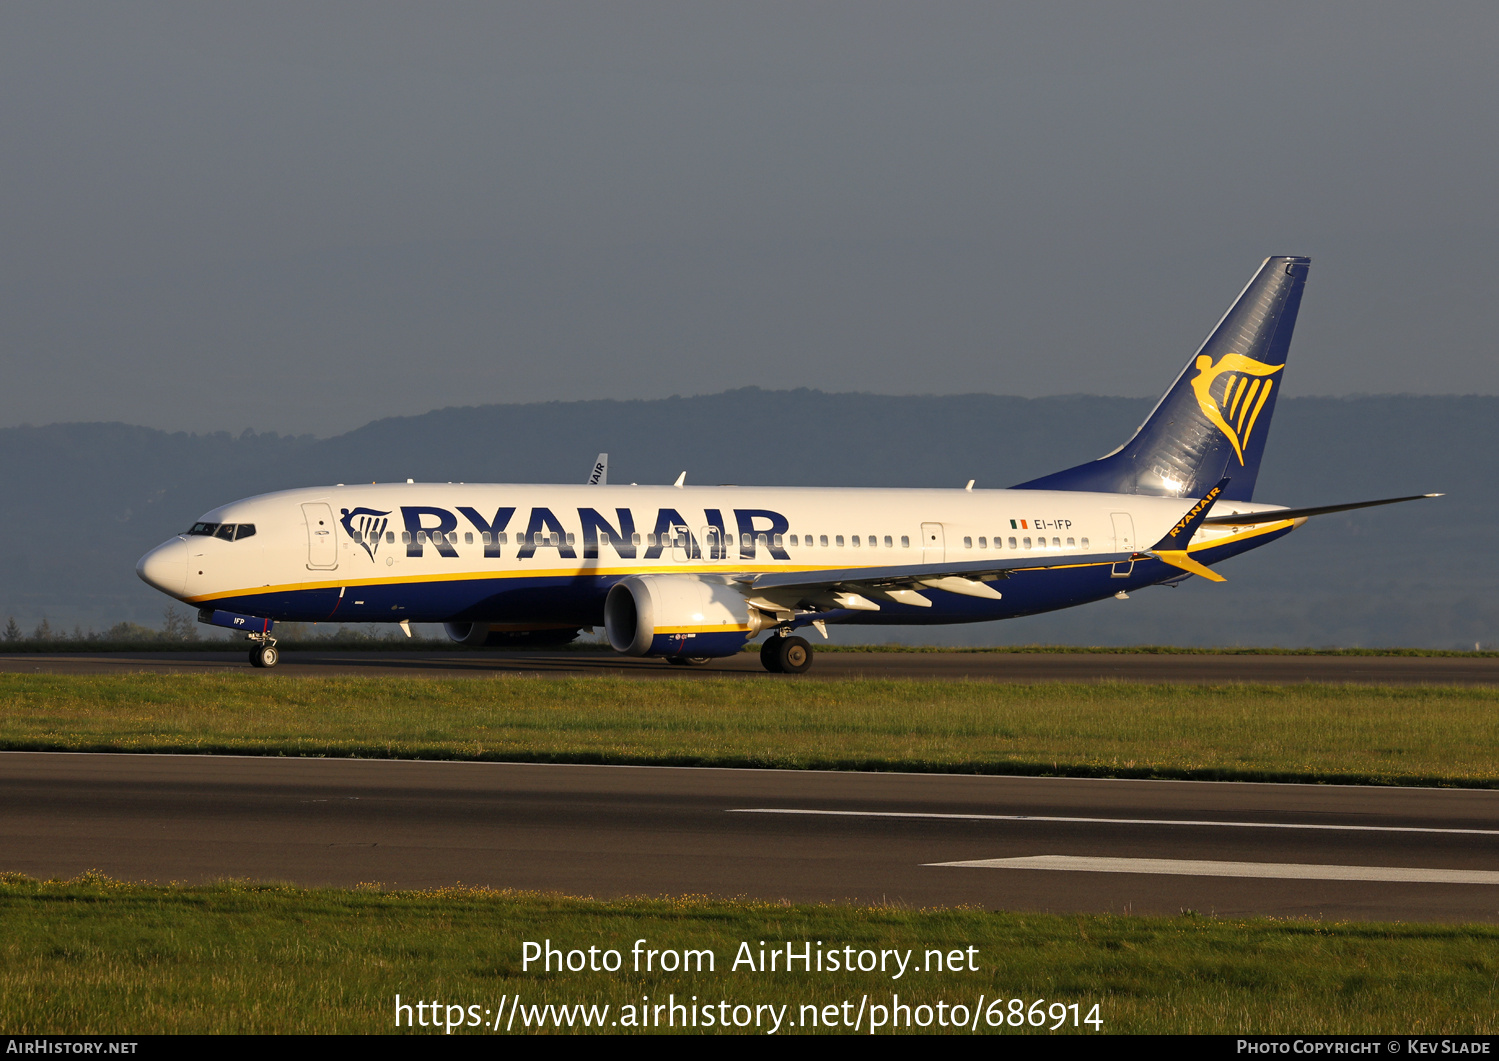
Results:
x,y
933,544
322,543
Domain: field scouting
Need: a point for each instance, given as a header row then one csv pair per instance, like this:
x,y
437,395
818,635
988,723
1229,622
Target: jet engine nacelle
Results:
x,y
679,615
508,635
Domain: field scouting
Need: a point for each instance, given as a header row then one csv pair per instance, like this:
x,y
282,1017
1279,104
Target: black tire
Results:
x,y
264,656
794,655
689,661
770,654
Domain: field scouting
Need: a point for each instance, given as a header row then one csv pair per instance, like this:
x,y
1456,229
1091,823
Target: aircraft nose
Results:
x,y
165,567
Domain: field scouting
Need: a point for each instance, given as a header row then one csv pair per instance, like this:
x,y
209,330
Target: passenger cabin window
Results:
x,y
905,541
1027,542
822,540
1014,546
1085,543
967,542
838,540
856,541
777,541
983,543
1071,544
793,541
406,537
888,544
1056,543
468,537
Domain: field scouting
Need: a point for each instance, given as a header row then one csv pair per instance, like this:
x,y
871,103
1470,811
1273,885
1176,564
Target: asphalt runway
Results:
x,y
1424,854
976,666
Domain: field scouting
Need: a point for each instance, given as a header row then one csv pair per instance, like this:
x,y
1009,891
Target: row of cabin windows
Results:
x,y
873,541
229,532
747,541
1024,543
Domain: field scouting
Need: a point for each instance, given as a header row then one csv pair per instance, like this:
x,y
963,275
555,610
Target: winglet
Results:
x,y
1172,549
600,474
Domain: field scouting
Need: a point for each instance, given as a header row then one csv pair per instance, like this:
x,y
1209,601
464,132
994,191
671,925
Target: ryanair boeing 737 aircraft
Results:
x,y
689,573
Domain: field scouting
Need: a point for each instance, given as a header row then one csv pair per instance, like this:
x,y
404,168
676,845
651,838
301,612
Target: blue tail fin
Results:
x,y
1214,420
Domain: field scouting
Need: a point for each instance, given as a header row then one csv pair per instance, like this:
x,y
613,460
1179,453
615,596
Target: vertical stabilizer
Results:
x,y
1214,420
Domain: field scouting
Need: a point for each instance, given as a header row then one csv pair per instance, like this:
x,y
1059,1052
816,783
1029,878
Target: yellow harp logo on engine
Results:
x,y
1232,393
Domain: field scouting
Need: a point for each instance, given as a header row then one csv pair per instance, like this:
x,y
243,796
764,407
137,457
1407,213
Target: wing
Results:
x,y
865,588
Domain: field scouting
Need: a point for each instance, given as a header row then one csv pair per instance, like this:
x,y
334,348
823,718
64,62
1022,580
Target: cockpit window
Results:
x,y
229,532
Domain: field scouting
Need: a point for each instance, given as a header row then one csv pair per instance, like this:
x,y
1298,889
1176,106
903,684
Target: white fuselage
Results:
x,y
434,551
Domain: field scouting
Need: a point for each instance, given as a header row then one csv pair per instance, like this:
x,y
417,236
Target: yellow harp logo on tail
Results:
x,y
1234,406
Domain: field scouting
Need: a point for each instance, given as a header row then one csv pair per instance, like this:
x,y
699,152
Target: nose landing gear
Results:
x,y
263,652
783,653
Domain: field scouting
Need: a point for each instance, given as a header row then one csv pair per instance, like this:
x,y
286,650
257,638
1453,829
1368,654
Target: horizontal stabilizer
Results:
x,y
1244,519
1179,558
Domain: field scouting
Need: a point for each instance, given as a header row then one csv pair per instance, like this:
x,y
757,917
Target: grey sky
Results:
x,y
302,217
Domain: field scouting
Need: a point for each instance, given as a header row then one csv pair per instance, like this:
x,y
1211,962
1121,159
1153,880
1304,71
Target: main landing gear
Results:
x,y
783,653
263,652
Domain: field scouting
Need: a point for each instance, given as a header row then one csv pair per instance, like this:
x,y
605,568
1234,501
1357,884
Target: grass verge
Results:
x,y
94,956
1349,734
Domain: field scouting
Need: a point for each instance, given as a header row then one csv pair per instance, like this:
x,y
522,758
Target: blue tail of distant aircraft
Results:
x,y
1214,420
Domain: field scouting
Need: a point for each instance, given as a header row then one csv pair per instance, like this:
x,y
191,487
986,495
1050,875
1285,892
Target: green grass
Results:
x,y
93,956
1364,734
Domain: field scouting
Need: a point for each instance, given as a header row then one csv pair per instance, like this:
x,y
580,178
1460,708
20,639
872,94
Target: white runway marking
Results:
x,y
1191,868
1114,821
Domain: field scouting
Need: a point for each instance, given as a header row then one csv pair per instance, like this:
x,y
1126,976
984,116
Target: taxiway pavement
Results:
x,y
1421,854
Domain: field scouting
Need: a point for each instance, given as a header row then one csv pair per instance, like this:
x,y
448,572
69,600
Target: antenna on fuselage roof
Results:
x,y
600,474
